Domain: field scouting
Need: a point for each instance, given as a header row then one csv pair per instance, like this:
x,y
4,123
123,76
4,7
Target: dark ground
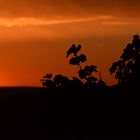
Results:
x,y
29,109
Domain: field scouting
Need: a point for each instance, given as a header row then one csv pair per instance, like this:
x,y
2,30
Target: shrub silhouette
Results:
x,y
58,81
127,68
47,81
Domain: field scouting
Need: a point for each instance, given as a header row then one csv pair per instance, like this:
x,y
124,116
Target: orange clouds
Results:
x,y
69,8
99,19
26,28
25,21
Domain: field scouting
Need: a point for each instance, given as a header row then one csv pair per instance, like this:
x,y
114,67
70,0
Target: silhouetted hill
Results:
x,y
60,113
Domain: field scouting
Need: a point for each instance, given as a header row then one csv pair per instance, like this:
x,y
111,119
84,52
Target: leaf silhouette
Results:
x,y
82,74
88,70
128,53
113,68
74,61
121,64
93,68
71,50
78,47
82,58
136,42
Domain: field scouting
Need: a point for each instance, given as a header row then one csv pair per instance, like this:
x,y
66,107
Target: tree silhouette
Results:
x,y
77,59
127,68
87,80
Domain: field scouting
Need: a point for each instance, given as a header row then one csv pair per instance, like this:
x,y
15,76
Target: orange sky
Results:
x,y
35,36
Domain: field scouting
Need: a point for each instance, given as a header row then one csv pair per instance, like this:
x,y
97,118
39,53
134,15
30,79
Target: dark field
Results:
x,y
60,113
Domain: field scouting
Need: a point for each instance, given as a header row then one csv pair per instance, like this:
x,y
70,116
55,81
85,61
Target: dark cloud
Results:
x,y
60,8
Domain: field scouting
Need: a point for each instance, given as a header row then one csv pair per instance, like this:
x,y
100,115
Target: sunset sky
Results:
x,y
35,35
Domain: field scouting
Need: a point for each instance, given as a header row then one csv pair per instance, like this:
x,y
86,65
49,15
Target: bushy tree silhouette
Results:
x,y
87,80
127,68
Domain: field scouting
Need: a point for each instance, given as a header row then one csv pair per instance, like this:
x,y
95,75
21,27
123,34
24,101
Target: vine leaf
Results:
x,y
83,58
72,49
74,61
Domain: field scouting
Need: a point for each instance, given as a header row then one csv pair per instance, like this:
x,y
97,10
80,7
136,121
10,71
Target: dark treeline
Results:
x,y
126,70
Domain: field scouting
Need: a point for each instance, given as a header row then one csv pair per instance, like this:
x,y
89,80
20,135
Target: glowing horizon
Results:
x,y
35,35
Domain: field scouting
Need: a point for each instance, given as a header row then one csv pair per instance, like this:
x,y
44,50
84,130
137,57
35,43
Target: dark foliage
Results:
x,y
86,81
127,68
85,73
